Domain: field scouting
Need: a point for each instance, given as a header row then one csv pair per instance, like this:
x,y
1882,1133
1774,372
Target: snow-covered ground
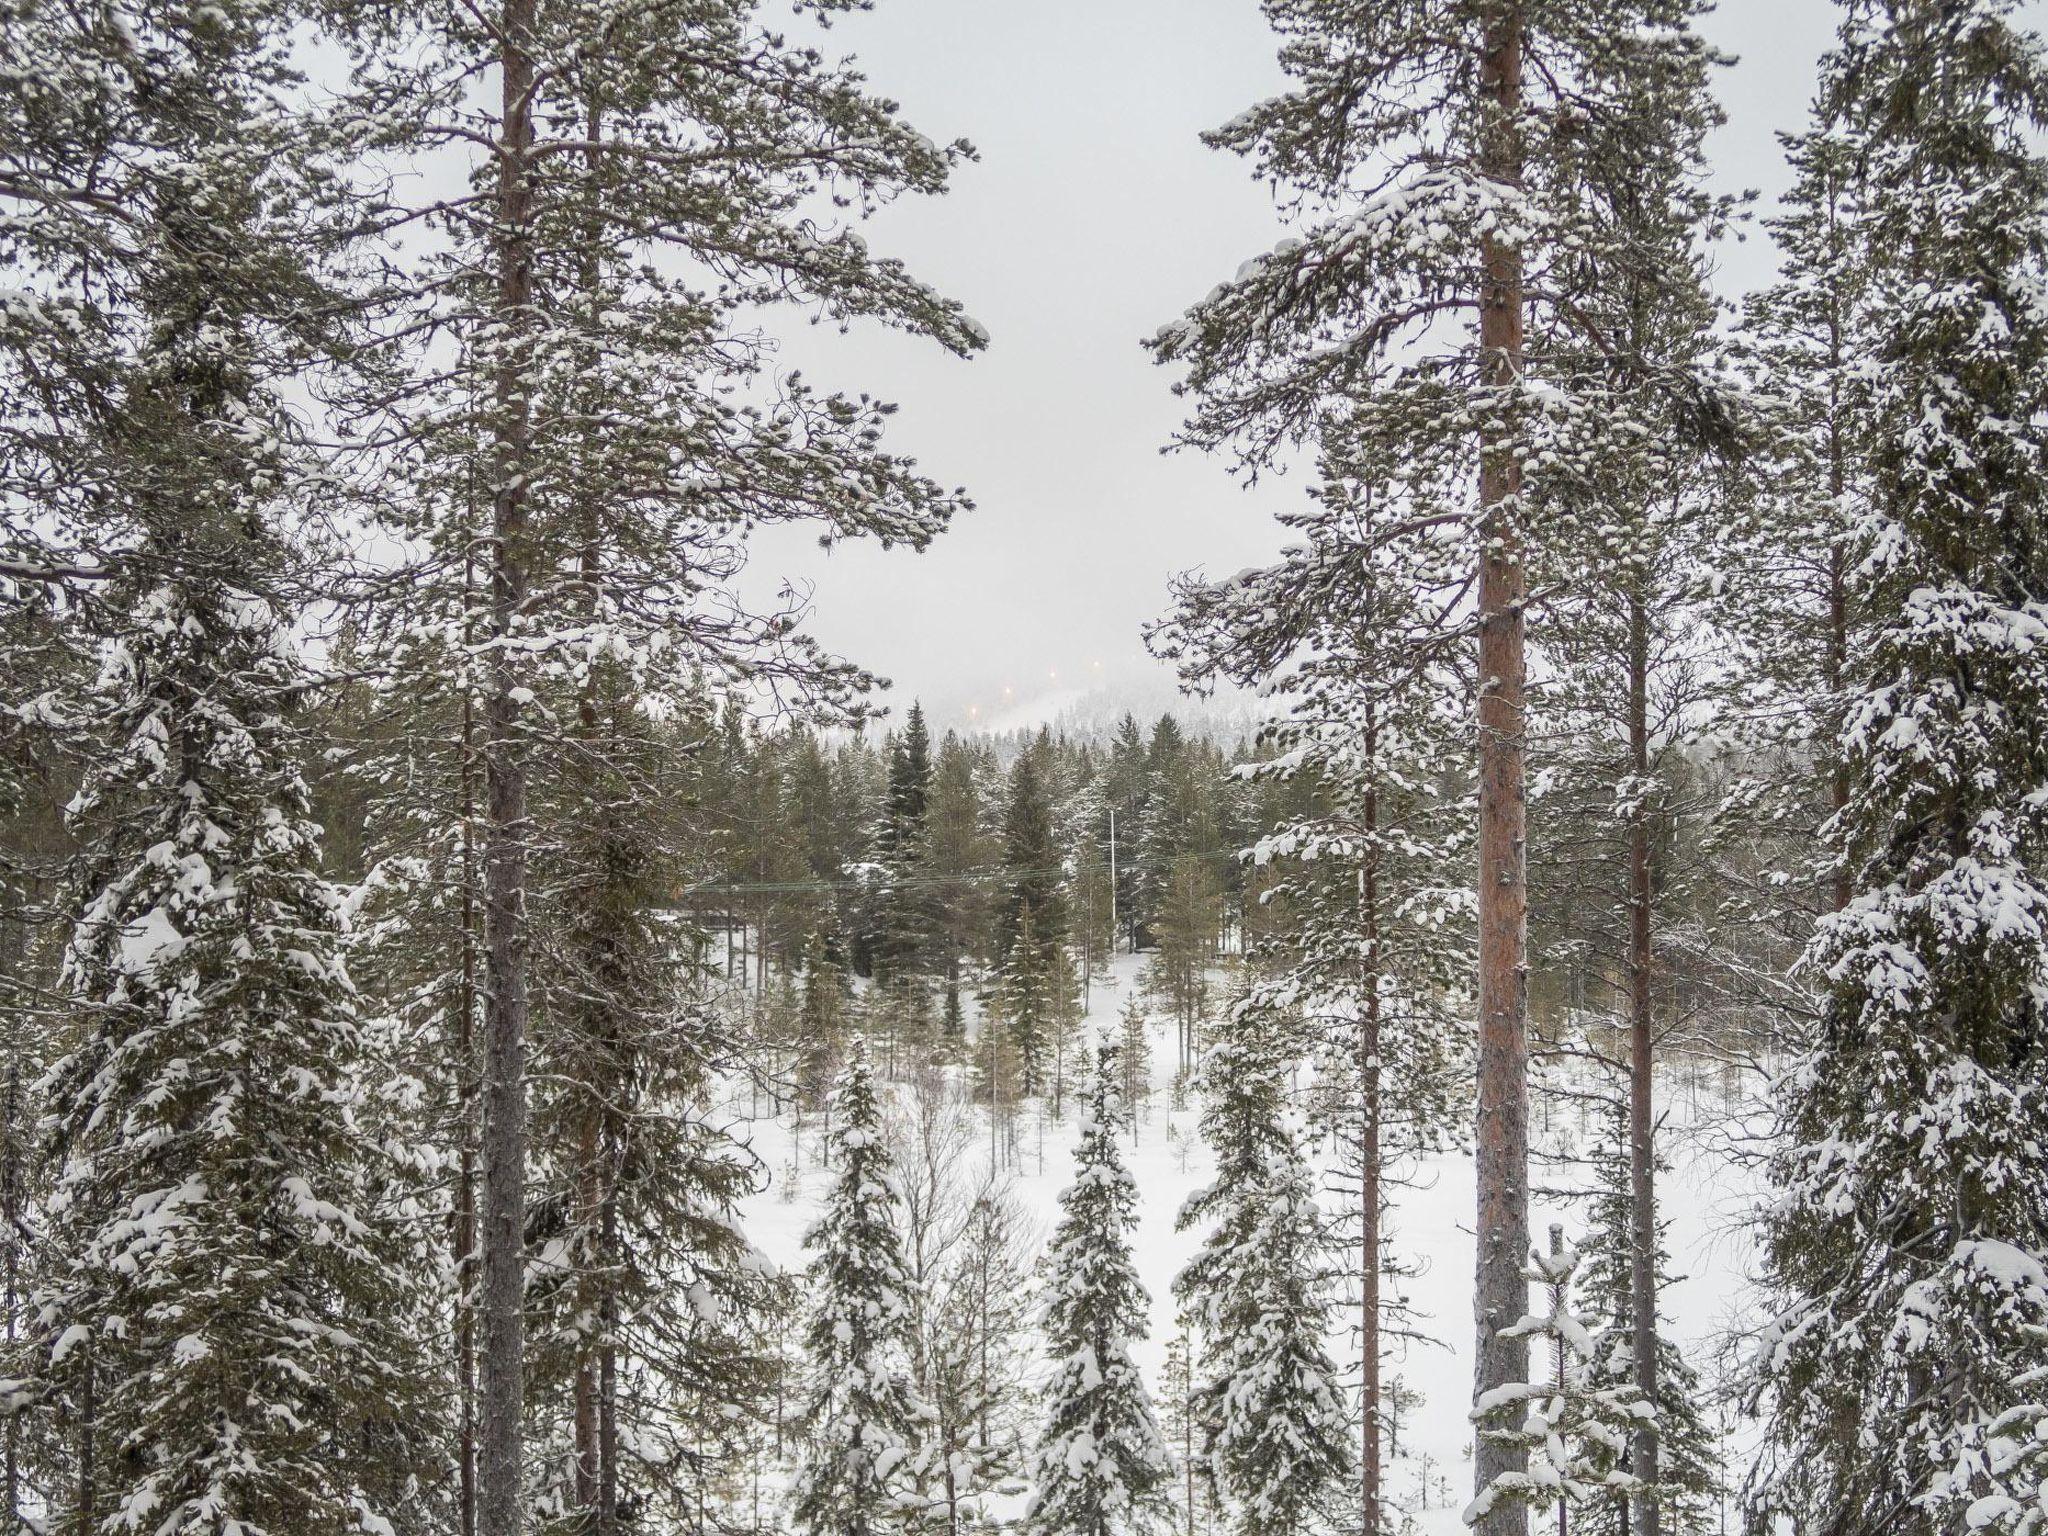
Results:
x,y
1704,1197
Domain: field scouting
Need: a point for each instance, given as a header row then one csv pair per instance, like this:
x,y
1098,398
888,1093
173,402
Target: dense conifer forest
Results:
x,y
504,1029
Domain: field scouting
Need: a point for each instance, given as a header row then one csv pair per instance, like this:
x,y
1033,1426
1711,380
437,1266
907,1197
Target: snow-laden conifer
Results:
x,y
227,1304
859,1470
1449,175
1101,1468
1690,1480
1906,1239
1571,1423
1274,1426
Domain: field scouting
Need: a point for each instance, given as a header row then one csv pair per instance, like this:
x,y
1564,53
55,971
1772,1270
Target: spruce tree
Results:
x,y
1906,1242
1689,1477
227,1307
1031,857
1027,1006
1274,1427
909,917
858,1476
1572,1424
225,1298
1101,1466
1174,822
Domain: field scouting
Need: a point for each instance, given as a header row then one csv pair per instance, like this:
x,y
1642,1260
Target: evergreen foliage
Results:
x,y
859,1475
1274,1427
1690,1481
1574,1421
1101,1468
1906,1243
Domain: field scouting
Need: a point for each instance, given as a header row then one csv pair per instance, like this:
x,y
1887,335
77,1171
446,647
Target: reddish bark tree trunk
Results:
x,y
1369,1161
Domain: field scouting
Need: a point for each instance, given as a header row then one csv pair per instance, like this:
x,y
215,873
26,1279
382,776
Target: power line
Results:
x,y
987,873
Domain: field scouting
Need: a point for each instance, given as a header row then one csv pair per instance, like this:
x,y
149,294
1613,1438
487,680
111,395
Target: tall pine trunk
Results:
x,y
1641,1122
1502,1131
505,1008
1369,1235
1369,1391
13,1216
466,1128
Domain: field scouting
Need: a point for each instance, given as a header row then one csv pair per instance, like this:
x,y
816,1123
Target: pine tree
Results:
x,y
1444,200
813,811
1178,1418
1101,1466
958,855
1803,336
978,1357
617,404
1273,1425
859,1470
1906,1247
1185,923
1085,830
1369,965
1639,668
1126,796
1066,1010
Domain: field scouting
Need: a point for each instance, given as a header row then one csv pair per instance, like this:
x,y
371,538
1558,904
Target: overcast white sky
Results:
x,y
1093,216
